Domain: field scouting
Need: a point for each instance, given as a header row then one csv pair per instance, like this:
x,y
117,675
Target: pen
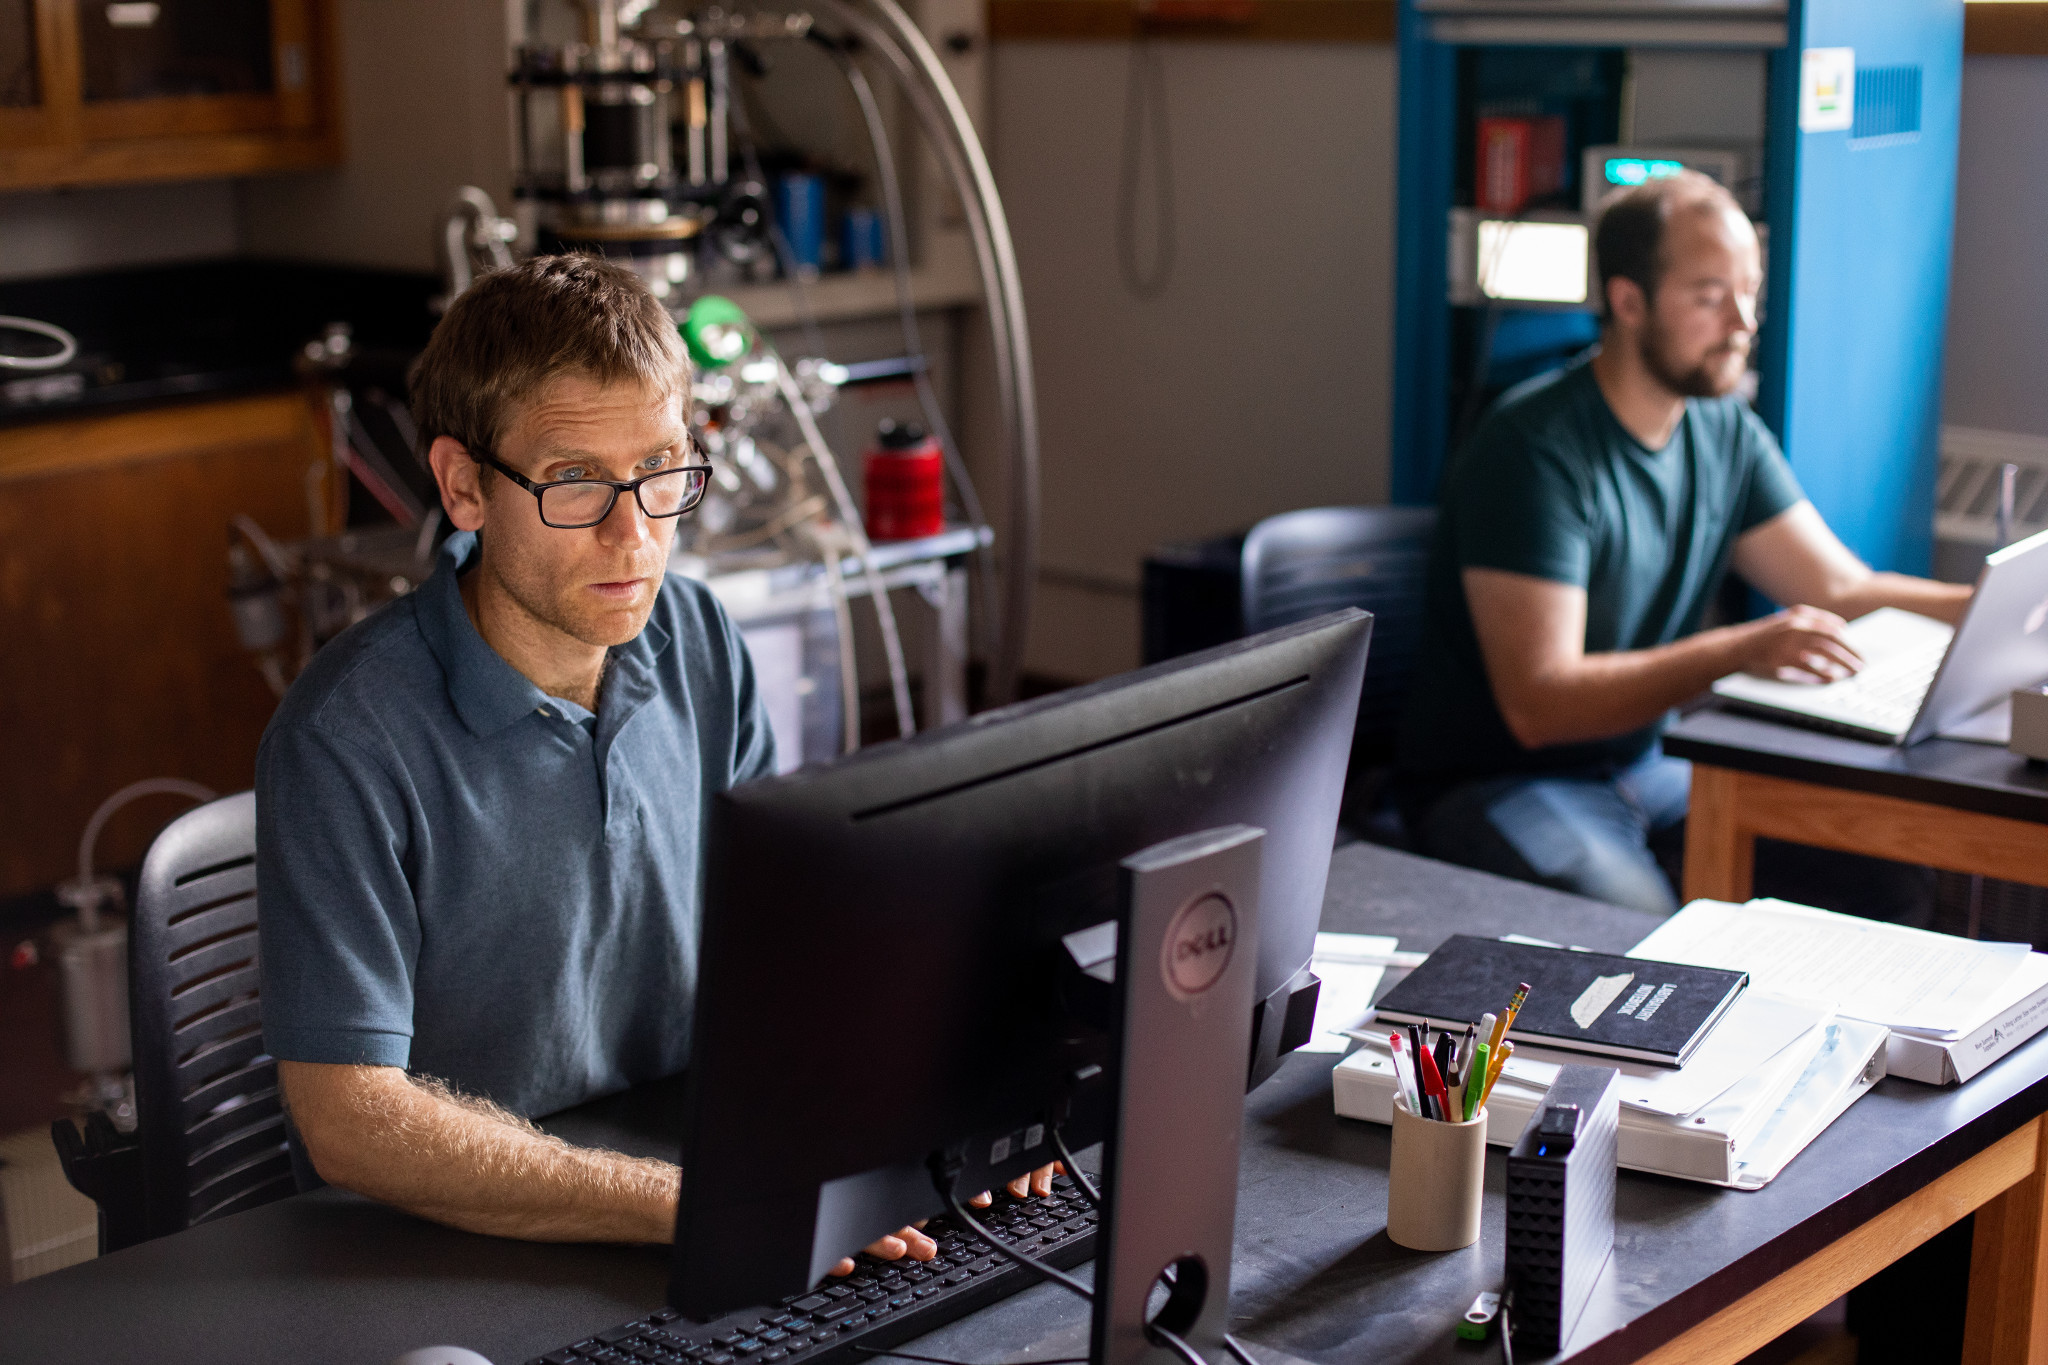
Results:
x,y
1489,1034
1464,1057
1475,1082
1433,1083
1442,1055
1500,1060
1409,1093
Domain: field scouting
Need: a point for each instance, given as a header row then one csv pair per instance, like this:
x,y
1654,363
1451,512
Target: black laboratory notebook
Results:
x,y
1644,1011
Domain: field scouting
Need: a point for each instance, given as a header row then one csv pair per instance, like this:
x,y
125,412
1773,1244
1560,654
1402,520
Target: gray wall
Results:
x,y
58,232
1997,370
1259,380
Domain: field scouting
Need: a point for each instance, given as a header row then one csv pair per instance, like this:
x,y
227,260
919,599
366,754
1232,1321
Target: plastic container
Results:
x,y
1435,1181
906,483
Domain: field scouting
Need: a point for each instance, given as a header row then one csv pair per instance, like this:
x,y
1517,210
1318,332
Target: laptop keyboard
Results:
x,y
881,1304
1889,694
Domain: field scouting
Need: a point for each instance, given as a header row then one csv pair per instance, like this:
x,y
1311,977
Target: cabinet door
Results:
x,y
155,68
101,91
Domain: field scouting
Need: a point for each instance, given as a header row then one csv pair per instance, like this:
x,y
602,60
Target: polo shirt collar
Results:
x,y
488,693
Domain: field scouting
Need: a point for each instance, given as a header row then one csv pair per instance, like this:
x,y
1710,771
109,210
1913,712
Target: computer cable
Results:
x,y
1172,1341
1236,1348
1507,1330
1010,1253
877,1351
1081,1180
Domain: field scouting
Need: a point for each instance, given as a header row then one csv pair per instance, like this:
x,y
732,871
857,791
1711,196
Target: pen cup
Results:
x,y
1435,1180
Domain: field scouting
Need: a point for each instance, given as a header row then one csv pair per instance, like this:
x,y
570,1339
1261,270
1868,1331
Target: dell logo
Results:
x,y
1198,945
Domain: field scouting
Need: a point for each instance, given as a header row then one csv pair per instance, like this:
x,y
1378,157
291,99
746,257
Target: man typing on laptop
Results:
x,y
1585,529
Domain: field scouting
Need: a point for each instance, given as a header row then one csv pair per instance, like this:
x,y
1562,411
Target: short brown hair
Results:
x,y
1628,243
513,331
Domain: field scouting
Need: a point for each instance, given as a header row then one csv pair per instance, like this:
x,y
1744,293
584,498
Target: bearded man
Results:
x,y
1585,530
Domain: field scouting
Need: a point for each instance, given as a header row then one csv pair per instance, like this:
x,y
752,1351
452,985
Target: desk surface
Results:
x,y
328,1277
1983,778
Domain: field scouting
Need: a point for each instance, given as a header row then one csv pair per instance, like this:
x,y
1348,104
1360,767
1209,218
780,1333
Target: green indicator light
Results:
x,y
1635,170
717,332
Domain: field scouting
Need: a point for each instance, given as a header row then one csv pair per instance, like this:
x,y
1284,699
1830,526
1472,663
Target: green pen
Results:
x,y
1475,1081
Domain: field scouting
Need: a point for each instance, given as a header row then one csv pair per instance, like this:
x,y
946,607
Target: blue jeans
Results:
x,y
1595,834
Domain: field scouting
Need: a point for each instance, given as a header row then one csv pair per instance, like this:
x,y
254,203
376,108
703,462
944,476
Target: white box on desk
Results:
x,y
1730,1141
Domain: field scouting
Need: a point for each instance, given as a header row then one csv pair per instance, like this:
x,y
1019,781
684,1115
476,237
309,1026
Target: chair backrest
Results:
x,y
207,1111
1302,564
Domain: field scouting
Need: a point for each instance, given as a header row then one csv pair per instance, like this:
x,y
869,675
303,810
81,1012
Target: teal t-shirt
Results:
x,y
1552,486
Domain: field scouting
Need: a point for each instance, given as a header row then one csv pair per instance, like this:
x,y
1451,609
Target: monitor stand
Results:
x,y
1187,950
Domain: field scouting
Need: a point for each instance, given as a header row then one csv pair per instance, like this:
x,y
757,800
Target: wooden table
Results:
x,y
1699,1275
1944,803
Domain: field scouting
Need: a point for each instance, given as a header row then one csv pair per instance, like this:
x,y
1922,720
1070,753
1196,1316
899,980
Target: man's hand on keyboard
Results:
x,y
1801,645
913,1243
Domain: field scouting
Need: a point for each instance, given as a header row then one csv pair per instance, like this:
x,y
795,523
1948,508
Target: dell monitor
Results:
x,y
881,970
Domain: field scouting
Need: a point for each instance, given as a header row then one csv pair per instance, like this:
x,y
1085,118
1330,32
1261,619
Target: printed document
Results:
x,y
1351,966
1909,980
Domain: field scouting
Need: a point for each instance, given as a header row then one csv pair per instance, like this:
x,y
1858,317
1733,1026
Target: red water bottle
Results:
x,y
906,483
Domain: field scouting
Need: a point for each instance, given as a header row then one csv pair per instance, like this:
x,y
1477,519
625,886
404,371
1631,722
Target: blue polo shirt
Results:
x,y
466,877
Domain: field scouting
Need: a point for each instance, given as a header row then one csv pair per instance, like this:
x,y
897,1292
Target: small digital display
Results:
x,y
1638,170
1535,262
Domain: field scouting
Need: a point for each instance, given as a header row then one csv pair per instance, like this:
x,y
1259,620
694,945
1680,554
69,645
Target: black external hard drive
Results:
x,y
1561,1204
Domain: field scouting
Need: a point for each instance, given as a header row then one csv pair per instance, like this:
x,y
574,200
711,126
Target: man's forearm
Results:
x,y
1598,696
1943,601
471,1165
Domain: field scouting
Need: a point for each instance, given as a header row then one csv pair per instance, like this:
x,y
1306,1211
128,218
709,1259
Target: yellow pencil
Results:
x,y
1500,1059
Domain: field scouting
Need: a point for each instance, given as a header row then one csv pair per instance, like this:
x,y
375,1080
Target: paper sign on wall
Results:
x,y
1827,90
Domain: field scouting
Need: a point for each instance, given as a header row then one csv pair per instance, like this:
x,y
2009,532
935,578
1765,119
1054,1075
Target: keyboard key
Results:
x,y
837,1291
776,1353
774,1336
619,1334
810,1303
747,1347
841,1309
901,1301
927,1291
730,1339
561,1358
870,1295
797,1343
720,1359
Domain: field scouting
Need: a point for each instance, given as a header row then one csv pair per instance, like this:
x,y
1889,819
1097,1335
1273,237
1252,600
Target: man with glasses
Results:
x,y
480,811
1585,528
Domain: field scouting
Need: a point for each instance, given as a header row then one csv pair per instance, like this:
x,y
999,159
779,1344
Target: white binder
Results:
x,y
1741,1139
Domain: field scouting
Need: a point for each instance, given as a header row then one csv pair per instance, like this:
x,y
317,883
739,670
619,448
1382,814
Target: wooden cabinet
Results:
x,y
106,91
118,659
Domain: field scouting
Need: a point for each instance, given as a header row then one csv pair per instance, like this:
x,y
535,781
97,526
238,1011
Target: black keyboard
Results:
x,y
881,1304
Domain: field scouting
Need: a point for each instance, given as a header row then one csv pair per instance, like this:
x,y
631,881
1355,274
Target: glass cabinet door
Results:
x,y
20,87
159,49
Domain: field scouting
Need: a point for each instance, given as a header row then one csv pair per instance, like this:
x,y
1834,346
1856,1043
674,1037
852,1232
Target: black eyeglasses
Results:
x,y
574,504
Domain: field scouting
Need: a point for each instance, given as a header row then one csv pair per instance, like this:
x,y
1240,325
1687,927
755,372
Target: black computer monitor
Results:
x,y
881,974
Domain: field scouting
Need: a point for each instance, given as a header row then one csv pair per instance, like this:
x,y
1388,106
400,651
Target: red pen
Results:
x,y
1433,1084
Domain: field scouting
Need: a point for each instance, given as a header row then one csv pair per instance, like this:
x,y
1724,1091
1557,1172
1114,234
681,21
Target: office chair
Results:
x,y
209,1123
1302,564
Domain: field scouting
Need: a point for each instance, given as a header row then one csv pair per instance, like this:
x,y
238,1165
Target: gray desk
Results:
x,y
1965,807
1699,1274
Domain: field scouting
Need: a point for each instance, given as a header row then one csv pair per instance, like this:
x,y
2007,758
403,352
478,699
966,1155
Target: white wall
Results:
x,y
1997,368
1260,380
59,232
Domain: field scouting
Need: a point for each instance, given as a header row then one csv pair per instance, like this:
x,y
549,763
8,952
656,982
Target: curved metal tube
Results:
x,y
937,104
67,345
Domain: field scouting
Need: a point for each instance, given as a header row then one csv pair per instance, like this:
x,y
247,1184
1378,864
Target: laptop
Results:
x,y
1921,677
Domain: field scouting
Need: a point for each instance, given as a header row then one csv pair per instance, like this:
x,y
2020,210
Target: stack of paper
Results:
x,y
1953,1005
1350,966
1774,1073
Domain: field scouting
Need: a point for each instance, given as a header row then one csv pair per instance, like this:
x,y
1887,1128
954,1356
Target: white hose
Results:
x,y
67,345
849,515
88,906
